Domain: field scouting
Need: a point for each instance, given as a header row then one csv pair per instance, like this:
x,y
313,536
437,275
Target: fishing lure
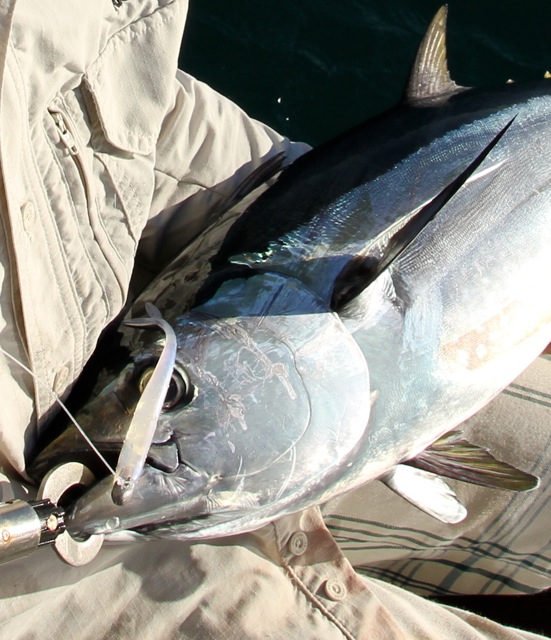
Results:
x,y
26,525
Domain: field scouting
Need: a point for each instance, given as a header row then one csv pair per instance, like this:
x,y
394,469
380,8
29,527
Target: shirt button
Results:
x,y
60,380
335,590
28,213
298,543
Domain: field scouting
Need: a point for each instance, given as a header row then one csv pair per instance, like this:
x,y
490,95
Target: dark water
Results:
x,y
312,68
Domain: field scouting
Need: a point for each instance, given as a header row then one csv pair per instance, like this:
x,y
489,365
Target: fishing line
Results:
x,y
60,403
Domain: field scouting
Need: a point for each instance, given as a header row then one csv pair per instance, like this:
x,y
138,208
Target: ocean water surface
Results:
x,y
313,68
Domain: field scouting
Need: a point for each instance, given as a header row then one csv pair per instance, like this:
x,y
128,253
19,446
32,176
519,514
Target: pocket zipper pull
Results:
x,y
64,133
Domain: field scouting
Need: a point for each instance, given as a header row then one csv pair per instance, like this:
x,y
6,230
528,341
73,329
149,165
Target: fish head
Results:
x,y
269,394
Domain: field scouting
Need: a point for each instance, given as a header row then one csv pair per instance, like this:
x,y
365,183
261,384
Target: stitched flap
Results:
x,y
132,89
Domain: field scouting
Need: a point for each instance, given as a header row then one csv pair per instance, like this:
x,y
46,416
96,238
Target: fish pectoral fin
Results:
x,y
427,492
453,456
361,271
430,77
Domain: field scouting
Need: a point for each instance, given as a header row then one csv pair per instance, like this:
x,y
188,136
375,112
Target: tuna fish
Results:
x,y
386,287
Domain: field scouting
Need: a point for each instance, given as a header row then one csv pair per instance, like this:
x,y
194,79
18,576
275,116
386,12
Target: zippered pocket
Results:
x,y
69,140
109,190
81,175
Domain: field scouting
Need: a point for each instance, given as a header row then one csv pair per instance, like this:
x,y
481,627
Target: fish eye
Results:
x,y
145,377
179,389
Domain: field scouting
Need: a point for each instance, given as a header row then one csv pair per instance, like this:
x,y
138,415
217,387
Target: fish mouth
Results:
x,y
158,497
104,422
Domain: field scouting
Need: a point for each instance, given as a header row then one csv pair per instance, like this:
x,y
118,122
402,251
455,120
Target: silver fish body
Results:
x,y
296,391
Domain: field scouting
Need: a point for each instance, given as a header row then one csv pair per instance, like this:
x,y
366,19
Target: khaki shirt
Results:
x,y
100,138
288,581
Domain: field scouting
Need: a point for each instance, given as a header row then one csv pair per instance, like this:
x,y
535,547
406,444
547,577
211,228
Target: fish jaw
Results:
x,y
281,397
157,498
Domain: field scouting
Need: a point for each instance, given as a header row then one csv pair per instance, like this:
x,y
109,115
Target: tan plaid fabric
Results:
x,y
504,545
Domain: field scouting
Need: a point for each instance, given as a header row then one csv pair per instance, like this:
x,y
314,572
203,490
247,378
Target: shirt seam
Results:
x,y
313,600
63,180
130,25
37,353
184,181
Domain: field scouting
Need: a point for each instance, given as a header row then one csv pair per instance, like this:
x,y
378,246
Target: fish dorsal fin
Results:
x,y
455,457
430,77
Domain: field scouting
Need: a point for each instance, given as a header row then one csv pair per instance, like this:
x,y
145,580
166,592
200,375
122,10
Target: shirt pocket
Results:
x,y
109,125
